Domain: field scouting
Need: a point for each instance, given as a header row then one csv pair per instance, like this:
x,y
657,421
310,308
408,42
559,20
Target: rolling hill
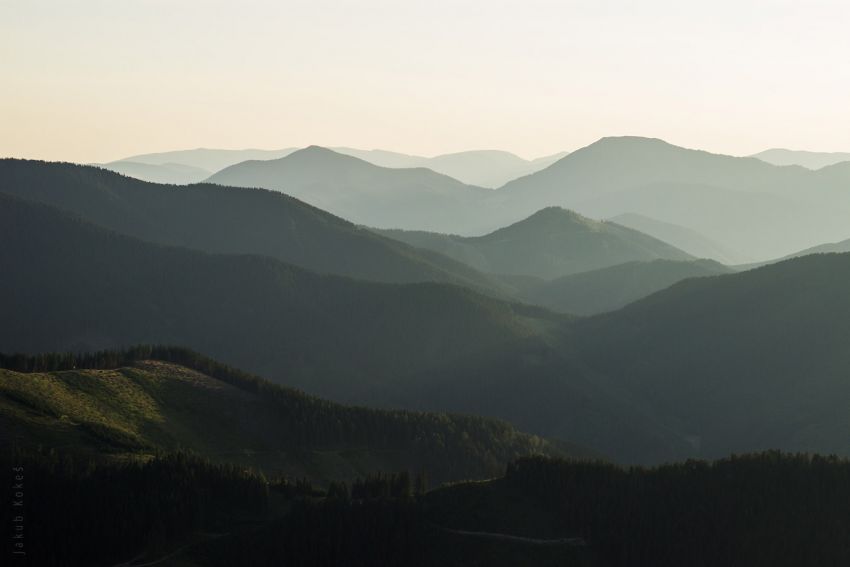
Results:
x,y
549,244
229,220
361,192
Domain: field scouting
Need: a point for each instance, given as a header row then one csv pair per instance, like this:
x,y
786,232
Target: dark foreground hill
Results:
x,y
739,362
551,243
228,220
763,509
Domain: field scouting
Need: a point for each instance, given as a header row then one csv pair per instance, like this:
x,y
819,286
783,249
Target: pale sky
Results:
x,y
97,80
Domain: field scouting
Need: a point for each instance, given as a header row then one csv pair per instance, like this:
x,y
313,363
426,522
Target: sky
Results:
x,y
98,80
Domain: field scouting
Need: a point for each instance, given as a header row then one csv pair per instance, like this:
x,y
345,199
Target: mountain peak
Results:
x,y
548,221
631,143
556,214
313,151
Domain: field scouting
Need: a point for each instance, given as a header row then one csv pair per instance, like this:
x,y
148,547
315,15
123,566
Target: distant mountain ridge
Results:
x,y
749,208
485,168
208,159
551,243
754,208
361,192
809,160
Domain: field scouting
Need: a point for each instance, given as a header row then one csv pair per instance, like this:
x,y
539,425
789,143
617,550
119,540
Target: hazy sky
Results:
x,y
89,80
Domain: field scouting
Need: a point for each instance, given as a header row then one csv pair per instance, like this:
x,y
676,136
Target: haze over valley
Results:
x,y
420,284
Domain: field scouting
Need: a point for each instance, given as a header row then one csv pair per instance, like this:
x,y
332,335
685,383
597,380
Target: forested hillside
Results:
x,y
150,400
97,289
762,509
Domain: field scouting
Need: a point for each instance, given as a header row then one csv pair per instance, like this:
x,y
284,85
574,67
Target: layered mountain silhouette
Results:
x,y
99,289
485,168
809,160
708,366
229,220
551,243
607,289
419,346
751,207
361,192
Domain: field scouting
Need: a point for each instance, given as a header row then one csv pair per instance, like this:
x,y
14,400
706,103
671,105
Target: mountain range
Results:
x,y
349,187
753,208
710,365
746,208
419,346
485,168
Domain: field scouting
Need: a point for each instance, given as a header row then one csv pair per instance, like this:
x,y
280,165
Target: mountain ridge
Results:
x,y
550,243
